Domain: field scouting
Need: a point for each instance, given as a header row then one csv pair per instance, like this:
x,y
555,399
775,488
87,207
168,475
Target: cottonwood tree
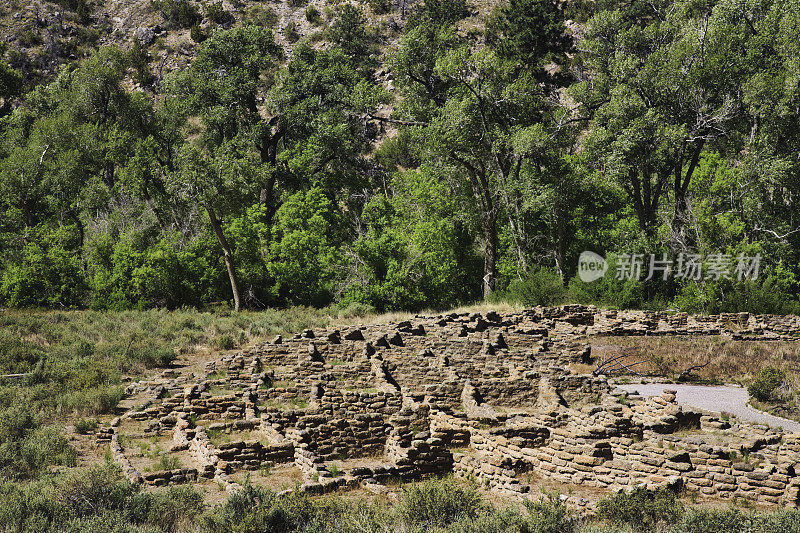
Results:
x,y
530,32
304,123
489,124
71,139
662,83
486,112
223,87
222,183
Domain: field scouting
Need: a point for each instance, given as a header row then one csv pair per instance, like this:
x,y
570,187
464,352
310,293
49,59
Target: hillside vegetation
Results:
x,y
394,155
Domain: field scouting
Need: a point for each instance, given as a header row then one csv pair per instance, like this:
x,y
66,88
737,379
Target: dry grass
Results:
x,y
730,360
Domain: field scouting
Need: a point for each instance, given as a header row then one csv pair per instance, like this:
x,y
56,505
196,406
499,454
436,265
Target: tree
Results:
x,y
439,12
223,86
349,32
323,108
662,84
412,248
422,88
309,129
10,86
311,121
222,183
303,255
489,124
531,32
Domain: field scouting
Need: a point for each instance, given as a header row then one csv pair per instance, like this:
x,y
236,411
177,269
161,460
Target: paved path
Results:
x,y
716,399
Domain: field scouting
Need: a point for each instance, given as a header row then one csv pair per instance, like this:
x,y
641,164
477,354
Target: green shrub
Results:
x,y
27,447
313,15
379,7
97,499
104,522
80,8
134,271
542,286
87,492
642,509
197,34
168,462
549,515
181,13
153,356
439,12
216,13
85,425
225,342
48,273
437,503
776,293
608,291
734,520
291,33
140,63
712,521
29,38
302,256
254,508
768,379
17,355
264,16
169,509
94,400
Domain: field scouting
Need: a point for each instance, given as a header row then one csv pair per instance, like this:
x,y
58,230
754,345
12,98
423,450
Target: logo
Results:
x,y
591,266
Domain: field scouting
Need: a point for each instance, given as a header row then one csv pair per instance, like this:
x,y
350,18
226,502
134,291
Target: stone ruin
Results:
x,y
500,399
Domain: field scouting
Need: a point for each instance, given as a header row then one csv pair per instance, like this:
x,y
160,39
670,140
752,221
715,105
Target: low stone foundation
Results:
x,y
488,397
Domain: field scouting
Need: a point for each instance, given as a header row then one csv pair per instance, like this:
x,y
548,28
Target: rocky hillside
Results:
x,y
40,36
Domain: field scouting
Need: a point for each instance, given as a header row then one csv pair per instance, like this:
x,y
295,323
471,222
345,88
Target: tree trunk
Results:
x,y
228,256
522,262
152,205
81,232
490,255
560,238
516,224
682,182
483,195
645,196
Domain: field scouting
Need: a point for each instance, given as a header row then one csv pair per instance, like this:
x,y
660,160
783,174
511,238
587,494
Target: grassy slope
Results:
x,y
76,361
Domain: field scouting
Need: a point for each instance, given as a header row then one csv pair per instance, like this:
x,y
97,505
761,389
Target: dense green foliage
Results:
x,y
498,153
98,499
644,511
